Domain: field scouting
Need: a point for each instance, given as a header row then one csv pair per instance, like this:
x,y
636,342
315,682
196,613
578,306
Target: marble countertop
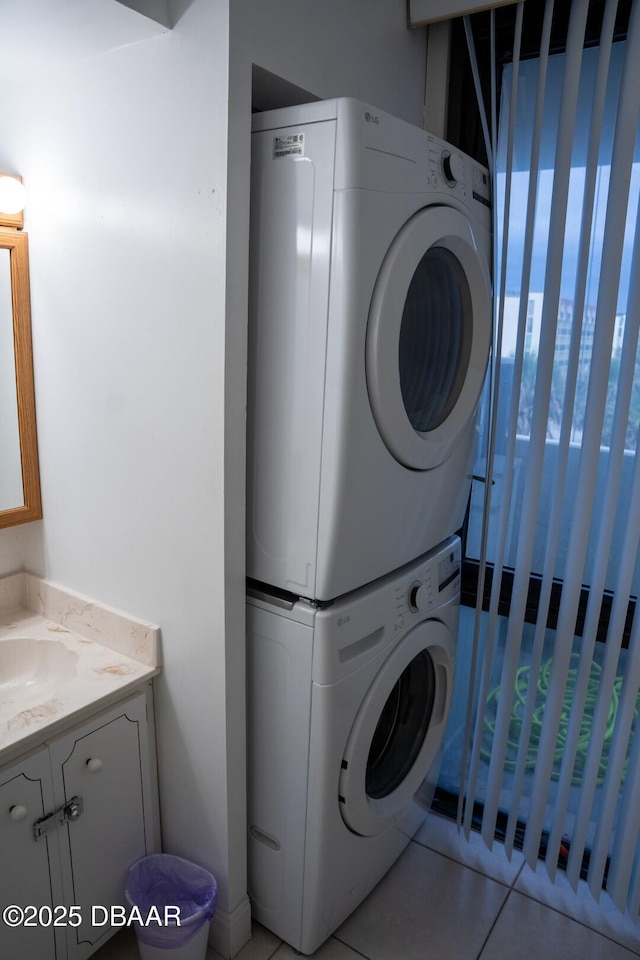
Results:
x,y
107,654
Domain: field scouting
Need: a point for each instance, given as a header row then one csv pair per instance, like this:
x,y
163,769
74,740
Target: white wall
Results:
x,y
139,286
11,550
124,155
357,49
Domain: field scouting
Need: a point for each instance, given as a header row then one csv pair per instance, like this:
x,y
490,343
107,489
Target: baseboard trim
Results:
x,y
230,931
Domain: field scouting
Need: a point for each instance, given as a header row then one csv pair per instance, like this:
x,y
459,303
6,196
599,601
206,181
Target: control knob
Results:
x,y
452,167
419,596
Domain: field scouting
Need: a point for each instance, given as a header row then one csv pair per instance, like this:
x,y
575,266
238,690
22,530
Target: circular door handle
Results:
x,y
94,765
18,813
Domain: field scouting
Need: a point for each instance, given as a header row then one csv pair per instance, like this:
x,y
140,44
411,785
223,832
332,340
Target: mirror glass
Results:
x,y
11,489
19,476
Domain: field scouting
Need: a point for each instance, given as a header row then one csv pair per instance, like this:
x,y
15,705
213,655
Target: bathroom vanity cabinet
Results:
x,y
75,813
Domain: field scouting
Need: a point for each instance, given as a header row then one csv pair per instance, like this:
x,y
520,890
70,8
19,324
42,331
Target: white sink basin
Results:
x,y
32,671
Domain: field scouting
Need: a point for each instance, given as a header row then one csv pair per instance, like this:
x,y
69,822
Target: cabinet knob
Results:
x,y
18,813
94,765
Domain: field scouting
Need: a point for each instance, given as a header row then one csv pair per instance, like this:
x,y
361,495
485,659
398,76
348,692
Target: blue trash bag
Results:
x,y
162,880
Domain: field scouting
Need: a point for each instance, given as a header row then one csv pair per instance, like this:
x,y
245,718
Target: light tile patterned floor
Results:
x,y
446,899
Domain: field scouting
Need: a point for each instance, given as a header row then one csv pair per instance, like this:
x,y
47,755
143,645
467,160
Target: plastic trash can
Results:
x,y
162,888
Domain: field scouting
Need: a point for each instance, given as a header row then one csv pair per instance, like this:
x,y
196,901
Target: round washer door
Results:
x,y
398,729
428,337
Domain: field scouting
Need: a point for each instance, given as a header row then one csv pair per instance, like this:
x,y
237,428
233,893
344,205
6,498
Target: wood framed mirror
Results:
x,y
19,472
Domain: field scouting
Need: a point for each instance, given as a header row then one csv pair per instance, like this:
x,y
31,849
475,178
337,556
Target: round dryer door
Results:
x,y
398,730
428,336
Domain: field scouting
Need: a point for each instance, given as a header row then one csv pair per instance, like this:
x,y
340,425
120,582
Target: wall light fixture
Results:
x,y
13,198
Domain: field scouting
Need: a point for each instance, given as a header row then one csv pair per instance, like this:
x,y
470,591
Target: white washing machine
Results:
x,y
370,329
348,704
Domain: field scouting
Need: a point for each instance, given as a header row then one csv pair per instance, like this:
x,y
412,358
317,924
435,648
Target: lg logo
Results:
x,y
371,117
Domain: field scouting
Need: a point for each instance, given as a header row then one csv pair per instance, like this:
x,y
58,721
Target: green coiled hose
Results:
x,y
515,724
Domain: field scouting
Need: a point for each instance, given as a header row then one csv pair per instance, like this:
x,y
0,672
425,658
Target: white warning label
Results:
x,y
290,146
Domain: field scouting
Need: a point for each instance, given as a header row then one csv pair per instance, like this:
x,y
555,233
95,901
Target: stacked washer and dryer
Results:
x,y
370,329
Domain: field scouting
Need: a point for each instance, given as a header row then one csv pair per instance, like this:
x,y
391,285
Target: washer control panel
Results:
x,y
432,584
363,625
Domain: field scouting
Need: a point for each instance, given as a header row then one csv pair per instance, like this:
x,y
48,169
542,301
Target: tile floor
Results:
x,y
447,899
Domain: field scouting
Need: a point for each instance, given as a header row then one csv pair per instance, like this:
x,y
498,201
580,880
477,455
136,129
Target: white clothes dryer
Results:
x,y
370,329
348,704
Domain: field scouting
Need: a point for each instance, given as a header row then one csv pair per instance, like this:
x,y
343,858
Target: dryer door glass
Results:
x,y
402,728
435,339
428,336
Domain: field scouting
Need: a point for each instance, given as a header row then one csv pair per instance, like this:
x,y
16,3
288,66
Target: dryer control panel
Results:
x,y
460,173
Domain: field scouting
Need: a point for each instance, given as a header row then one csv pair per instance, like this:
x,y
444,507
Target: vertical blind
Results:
x,y
552,722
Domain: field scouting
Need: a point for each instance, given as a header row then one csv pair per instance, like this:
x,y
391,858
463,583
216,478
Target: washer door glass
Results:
x,y
398,729
402,728
428,336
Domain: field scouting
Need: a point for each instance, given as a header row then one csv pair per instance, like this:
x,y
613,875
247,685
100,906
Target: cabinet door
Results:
x,y
29,868
101,762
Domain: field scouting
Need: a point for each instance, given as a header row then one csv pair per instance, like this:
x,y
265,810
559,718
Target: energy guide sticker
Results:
x,y
290,146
